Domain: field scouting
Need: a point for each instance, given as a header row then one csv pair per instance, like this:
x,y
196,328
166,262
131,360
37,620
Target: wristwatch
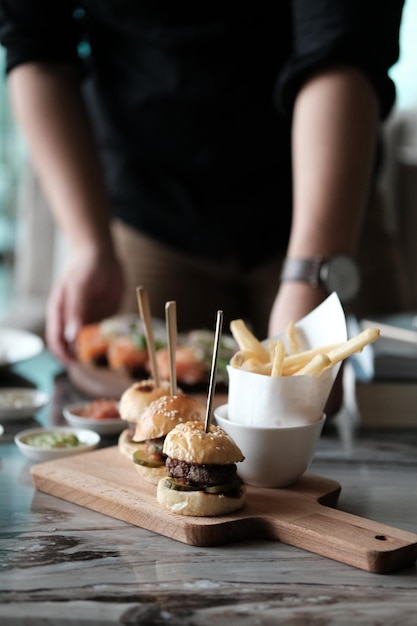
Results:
x,y
338,273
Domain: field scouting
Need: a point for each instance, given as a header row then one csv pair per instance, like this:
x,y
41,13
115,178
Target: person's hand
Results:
x,y
90,289
293,301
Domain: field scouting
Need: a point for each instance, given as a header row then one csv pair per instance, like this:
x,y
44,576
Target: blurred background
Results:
x,y
27,269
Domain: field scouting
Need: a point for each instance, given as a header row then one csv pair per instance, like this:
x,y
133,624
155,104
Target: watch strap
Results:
x,y
303,270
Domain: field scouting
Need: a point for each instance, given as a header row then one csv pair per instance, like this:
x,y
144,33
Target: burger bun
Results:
x,y
138,396
163,414
198,503
189,442
125,444
151,474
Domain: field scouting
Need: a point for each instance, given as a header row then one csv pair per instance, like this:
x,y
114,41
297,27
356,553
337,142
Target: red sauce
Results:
x,y
100,409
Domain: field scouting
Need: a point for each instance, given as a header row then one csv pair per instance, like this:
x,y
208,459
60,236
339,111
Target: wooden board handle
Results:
x,y
338,535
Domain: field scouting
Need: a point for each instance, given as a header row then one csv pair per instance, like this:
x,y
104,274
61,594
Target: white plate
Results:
x,y
17,403
89,439
18,345
103,427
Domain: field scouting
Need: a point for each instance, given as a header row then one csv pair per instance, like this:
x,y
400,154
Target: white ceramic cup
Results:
x,y
274,457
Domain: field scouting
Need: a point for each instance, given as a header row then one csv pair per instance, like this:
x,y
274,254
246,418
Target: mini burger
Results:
x,y
156,421
201,473
132,404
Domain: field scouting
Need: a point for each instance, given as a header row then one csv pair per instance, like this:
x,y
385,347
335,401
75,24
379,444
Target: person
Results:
x,y
191,149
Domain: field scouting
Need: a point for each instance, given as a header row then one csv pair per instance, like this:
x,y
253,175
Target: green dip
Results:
x,y
54,440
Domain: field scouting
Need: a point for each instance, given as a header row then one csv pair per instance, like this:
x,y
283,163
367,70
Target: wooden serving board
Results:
x,y
105,481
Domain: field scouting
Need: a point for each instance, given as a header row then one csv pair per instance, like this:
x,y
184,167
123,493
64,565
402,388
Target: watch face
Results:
x,y
340,274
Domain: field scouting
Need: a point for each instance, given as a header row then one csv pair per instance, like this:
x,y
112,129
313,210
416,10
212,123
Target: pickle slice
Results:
x,y
140,458
225,488
172,484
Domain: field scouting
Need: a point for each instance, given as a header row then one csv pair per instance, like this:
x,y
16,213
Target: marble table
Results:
x,y
63,564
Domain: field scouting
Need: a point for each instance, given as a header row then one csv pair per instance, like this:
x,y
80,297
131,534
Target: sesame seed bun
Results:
x,y
138,396
189,442
163,414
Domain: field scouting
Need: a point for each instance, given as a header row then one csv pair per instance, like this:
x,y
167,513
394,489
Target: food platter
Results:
x,y
18,345
112,354
98,382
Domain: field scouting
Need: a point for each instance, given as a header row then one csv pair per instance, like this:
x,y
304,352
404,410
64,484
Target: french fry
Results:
x,y
316,366
246,340
294,362
263,368
271,348
245,359
294,341
273,360
278,360
356,344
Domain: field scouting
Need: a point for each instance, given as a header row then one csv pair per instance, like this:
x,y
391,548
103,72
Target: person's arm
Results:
x,y
335,123
49,109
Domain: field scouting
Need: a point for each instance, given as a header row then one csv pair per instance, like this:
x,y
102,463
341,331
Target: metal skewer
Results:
x,y
212,382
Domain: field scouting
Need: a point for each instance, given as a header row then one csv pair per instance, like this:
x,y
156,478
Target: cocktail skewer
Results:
x,y
145,313
171,324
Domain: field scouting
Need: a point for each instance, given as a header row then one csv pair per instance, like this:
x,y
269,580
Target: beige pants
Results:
x,y
201,287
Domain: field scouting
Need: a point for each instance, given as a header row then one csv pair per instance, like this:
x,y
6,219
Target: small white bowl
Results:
x,y
18,403
106,426
88,438
274,457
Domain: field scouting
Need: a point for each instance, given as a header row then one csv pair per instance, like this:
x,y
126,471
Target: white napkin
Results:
x,y
266,401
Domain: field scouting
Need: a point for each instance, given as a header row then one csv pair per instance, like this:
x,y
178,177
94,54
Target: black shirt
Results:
x,y
191,102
